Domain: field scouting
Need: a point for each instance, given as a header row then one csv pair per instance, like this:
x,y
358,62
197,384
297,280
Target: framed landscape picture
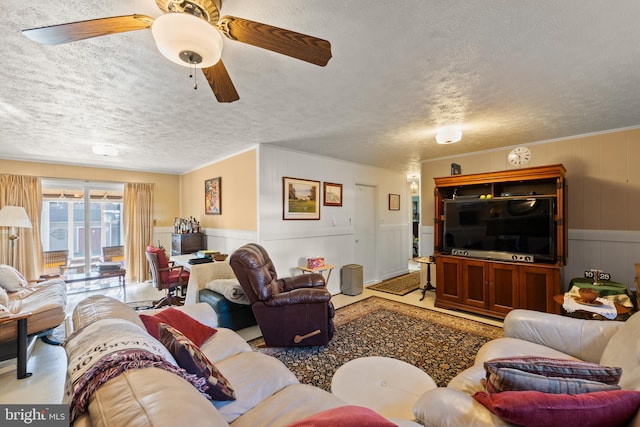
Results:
x,y
332,194
213,196
300,198
394,202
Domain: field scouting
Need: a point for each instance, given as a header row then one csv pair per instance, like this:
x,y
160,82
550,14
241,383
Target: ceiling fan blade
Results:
x,y
73,31
221,83
300,46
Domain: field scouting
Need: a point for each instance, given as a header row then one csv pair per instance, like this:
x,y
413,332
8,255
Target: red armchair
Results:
x,y
293,311
166,275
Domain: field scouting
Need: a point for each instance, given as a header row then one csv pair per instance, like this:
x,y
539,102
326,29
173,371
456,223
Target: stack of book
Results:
x,y
205,253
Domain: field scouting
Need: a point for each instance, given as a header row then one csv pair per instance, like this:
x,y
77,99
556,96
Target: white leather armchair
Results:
x,y
532,333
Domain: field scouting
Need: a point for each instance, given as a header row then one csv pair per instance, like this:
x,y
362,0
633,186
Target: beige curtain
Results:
x,y
138,229
25,191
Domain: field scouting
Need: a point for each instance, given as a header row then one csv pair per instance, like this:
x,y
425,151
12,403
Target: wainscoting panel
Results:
x,y
397,253
612,251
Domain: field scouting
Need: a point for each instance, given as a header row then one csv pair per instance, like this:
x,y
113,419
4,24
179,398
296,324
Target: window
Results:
x,y
81,217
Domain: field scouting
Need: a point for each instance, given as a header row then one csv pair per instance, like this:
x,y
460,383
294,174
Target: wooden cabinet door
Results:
x,y
503,287
449,279
474,283
537,287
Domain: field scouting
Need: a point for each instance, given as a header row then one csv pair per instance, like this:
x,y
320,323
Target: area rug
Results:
x,y
141,305
442,345
400,285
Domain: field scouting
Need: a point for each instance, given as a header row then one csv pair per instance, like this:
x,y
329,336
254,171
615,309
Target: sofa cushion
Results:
x,y
290,404
191,359
536,409
4,297
549,375
47,303
620,351
255,376
96,307
11,279
344,416
151,397
197,332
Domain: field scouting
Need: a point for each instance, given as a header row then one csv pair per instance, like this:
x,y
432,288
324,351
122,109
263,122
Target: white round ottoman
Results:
x,y
388,386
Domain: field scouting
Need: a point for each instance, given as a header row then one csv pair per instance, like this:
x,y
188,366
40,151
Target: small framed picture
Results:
x,y
300,198
213,196
455,169
394,202
332,194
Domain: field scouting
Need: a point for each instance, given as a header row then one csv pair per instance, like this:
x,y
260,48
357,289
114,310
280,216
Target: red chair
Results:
x,y
166,275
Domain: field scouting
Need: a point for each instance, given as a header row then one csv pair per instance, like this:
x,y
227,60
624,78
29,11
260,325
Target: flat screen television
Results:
x,y
501,227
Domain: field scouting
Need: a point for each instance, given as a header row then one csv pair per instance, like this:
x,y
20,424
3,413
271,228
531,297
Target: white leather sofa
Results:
x,y
532,333
267,393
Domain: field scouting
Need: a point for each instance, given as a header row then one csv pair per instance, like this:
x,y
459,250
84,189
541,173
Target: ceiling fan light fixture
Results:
x,y
187,40
448,135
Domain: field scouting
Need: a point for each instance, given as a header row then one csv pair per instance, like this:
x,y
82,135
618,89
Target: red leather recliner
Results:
x,y
293,311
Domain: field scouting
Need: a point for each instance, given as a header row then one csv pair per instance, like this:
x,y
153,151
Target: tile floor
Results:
x,y
48,363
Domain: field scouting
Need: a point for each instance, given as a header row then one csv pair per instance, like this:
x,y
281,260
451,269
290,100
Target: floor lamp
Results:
x,y
14,217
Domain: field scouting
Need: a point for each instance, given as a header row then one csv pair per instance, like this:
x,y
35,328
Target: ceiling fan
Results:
x,y
188,33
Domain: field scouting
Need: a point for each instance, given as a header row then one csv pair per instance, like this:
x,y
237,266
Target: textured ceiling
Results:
x,y
508,72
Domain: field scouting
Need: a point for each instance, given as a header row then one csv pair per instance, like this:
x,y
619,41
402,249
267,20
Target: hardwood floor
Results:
x,y
48,362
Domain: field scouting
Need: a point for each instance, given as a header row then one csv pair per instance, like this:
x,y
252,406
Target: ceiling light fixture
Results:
x,y
448,135
105,150
187,40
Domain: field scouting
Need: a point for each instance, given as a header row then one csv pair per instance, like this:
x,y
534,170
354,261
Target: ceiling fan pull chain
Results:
x,y
195,79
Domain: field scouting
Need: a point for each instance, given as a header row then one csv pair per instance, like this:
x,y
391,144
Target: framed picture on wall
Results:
x,y
300,198
213,196
332,194
394,202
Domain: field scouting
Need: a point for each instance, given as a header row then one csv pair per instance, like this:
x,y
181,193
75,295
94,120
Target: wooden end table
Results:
x,y
425,264
21,339
620,309
319,270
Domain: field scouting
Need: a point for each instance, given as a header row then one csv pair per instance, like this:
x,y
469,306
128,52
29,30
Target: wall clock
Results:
x,y
519,156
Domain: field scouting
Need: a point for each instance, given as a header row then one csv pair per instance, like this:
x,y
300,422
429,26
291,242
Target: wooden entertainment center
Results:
x,y
494,287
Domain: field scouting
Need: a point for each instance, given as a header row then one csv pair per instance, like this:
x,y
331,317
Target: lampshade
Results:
x,y
14,216
187,40
448,135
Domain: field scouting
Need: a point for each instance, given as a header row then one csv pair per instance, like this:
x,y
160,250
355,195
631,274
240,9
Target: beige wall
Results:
x,y
238,189
602,176
167,187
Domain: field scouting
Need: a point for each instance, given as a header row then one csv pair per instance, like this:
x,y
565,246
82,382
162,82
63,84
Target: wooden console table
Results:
x,y
22,343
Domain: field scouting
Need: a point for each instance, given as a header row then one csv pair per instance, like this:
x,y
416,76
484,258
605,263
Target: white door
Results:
x,y
365,232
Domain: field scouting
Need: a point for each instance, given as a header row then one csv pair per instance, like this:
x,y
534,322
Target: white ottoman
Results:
x,y
388,386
